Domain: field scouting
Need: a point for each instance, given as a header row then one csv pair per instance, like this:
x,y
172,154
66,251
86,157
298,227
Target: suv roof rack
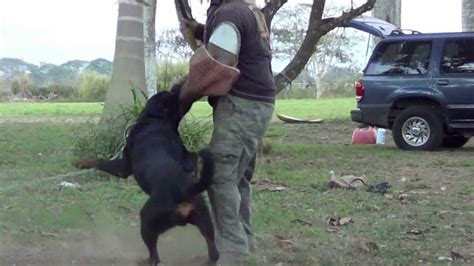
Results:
x,y
404,32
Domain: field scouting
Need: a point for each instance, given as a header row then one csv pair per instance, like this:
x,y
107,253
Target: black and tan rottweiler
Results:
x,y
164,169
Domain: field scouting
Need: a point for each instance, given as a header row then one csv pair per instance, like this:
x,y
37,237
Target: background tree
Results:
x,y
173,52
91,86
467,15
171,46
389,10
318,26
22,86
128,66
289,29
5,91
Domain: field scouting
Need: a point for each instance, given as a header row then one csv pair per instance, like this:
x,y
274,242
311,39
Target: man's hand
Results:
x,y
191,24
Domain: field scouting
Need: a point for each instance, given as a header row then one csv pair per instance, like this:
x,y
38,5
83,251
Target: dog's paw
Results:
x,y
81,164
148,262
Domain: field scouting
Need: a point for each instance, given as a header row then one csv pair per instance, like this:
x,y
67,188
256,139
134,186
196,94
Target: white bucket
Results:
x,y
380,139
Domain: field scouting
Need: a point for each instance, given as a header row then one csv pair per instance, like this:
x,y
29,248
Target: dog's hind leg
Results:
x,y
150,228
118,167
201,217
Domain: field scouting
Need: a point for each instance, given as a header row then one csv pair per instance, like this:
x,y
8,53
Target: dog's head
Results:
x,y
163,106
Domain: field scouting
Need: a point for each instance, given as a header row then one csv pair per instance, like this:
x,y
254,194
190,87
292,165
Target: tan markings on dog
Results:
x,y
185,208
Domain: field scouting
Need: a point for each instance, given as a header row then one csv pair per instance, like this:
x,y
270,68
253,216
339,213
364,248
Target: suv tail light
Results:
x,y
359,90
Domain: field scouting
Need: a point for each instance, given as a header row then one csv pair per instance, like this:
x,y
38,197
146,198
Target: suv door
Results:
x,y
397,68
455,79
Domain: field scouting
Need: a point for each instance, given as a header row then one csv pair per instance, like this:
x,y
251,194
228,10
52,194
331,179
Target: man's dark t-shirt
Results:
x,y
256,77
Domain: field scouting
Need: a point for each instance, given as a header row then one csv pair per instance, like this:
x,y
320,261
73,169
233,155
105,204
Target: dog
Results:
x,y
165,170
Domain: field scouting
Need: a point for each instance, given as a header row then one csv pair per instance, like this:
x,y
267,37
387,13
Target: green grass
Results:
x,y
49,109
322,108
299,157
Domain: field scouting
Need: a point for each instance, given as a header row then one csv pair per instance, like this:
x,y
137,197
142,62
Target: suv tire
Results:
x,y
418,128
454,141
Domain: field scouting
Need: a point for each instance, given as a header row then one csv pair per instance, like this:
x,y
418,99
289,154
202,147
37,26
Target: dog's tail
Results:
x,y
207,172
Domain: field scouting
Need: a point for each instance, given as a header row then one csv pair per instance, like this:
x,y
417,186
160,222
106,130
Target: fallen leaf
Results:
x,y
415,231
377,208
332,221
127,209
48,234
272,189
403,198
388,196
445,258
449,226
302,222
339,221
369,247
345,221
284,243
456,255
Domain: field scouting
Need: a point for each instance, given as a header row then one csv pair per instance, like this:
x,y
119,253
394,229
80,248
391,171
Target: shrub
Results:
x,y
167,72
194,131
102,141
91,86
95,142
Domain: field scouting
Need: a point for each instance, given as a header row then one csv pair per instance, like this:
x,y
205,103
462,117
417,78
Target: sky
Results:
x,y
55,31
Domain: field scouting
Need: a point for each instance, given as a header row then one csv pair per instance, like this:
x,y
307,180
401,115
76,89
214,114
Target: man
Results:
x,y
235,34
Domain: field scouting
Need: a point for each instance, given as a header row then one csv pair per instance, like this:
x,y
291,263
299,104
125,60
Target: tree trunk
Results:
x,y
128,67
150,47
388,10
467,15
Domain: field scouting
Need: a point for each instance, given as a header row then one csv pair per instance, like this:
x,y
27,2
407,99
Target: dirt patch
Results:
x,y
177,247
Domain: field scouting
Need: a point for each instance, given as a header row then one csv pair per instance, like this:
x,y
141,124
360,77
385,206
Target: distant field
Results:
x,y
308,108
49,109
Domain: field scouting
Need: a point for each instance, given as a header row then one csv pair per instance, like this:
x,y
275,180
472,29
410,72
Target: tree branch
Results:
x,y
308,47
347,16
271,8
316,29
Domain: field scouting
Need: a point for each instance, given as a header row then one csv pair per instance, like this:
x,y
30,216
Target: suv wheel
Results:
x,y
454,141
418,128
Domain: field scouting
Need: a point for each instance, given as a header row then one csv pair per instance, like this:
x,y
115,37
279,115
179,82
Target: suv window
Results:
x,y
400,58
458,57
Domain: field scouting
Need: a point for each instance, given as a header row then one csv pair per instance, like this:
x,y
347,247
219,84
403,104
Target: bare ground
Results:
x,y
180,246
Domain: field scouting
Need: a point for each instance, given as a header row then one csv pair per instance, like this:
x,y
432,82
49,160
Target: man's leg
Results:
x,y
239,125
224,194
245,202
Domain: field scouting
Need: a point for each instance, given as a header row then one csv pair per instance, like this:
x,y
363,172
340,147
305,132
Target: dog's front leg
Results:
x,y
201,217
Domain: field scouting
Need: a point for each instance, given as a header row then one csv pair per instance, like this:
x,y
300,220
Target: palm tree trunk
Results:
x,y
467,15
128,67
150,47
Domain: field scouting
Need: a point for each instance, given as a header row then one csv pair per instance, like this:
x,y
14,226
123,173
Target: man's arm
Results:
x,y
224,43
